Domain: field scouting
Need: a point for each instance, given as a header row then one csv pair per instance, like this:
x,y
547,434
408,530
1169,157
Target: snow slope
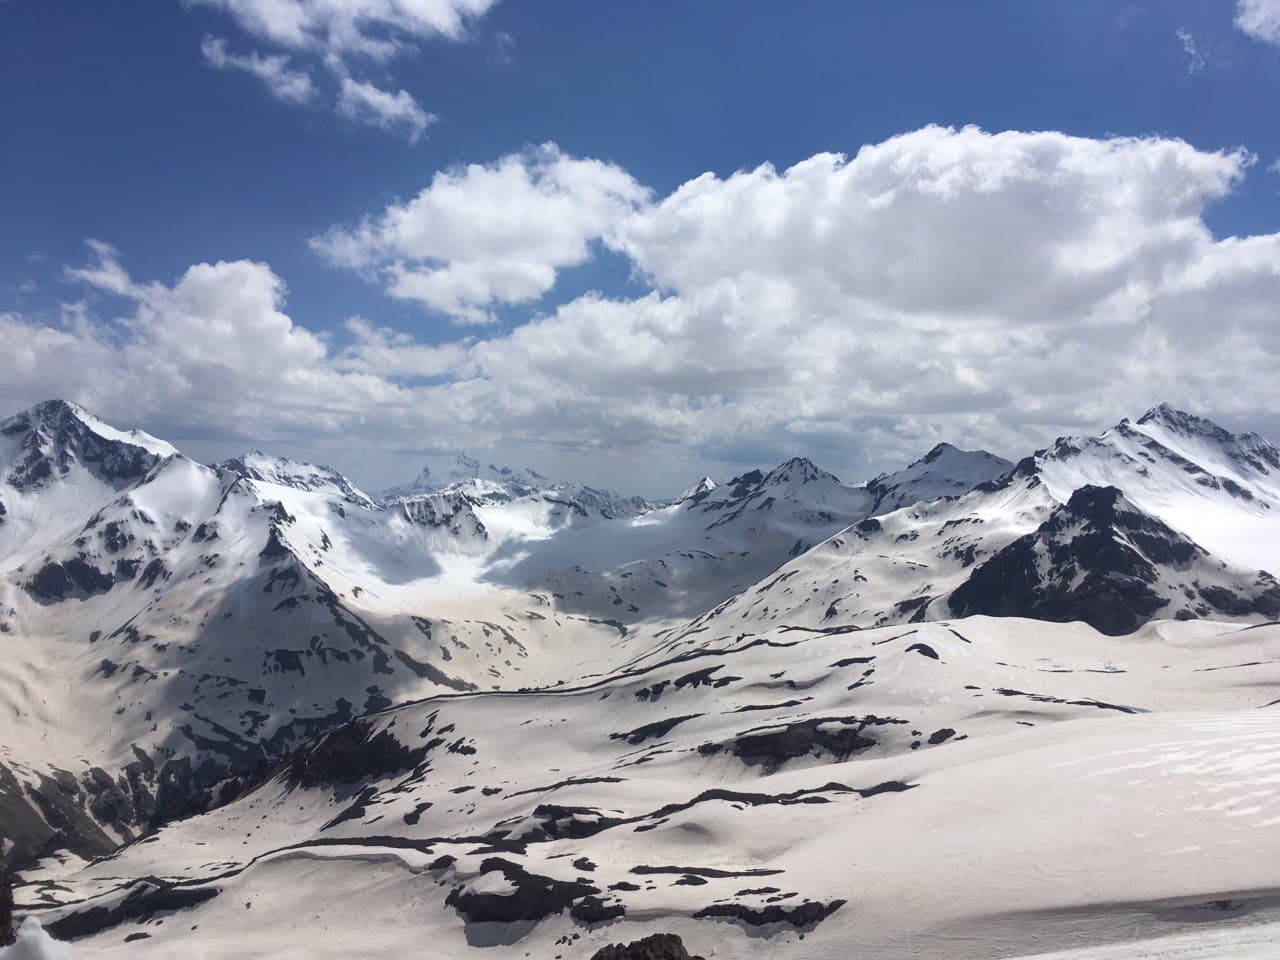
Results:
x,y
974,788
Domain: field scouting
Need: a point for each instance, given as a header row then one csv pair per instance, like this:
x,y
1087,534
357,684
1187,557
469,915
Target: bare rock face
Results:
x,y
6,910
659,946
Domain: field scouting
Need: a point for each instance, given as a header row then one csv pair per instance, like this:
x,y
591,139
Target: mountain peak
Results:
x,y
464,468
299,475
697,491
799,470
1164,415
945,471
51,436
1098,504
1167,412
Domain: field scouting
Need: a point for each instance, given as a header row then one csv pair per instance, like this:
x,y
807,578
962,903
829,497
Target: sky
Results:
x,y
634,243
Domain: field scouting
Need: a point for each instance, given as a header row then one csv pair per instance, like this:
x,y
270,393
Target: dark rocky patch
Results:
x,y
840,737
595,910
414,815
657,946
148,896
705,677
6,909
71,578
659,728
801,915
534,896
351,753
711,872
570,782
556,822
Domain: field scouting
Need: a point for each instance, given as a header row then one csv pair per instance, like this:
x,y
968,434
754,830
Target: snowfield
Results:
x,y
970,709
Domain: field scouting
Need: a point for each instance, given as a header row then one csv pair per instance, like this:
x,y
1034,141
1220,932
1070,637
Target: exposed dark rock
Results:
x,y
714,873
801,915
659,728
52,436
351,753
840,737
147,897
556,822
1104,559
595,910
533,898
71,578
6,909
658,946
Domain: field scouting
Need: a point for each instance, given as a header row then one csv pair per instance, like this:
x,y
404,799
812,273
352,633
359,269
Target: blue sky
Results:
x,y
118,127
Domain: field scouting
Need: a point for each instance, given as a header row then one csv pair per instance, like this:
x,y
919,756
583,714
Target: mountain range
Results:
x,y
533,714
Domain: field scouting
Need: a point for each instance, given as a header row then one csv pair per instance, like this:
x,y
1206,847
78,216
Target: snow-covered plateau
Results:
x,y
968,709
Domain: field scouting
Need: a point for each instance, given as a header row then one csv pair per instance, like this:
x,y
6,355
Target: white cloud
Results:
x,y
396,112
1196,58
341,36
284,83
487,234
1260,19
992,289
370,28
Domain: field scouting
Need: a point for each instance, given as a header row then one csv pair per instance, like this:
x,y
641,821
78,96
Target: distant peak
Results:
x,y
938,451
57,405
51,413
800,469
1171,416
697,491
1163,411
1177,421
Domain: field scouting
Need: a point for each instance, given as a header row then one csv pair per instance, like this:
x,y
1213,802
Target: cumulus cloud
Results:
x,y
213,346
485,234
341,36
379,29
1260,19
394,111
992,289
284,82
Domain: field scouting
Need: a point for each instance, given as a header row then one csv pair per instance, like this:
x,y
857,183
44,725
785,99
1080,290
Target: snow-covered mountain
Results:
x,y
1099,559
1036,542
945,471
463,468
489,680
